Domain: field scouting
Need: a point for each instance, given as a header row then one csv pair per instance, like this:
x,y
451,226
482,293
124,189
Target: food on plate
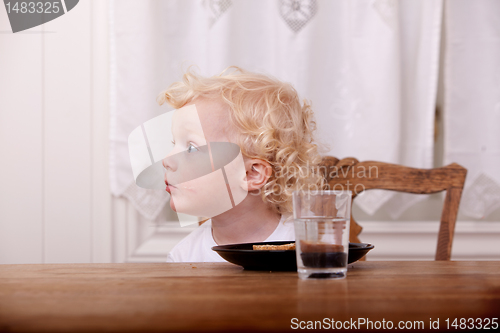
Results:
x,y
290,246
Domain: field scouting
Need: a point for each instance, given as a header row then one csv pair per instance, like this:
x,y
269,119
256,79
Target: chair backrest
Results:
x,y
356,176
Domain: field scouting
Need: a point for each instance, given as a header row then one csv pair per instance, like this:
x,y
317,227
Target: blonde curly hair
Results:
x,y
271,123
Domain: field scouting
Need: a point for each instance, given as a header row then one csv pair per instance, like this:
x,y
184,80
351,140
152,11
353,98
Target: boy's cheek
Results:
x,y
236,177
244,185
205,196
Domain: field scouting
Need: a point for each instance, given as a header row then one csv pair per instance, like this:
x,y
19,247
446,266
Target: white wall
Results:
x,y
54,199
55,203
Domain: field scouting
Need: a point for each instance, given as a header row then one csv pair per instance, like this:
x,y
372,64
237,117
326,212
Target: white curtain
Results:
x,y
472,100
369,67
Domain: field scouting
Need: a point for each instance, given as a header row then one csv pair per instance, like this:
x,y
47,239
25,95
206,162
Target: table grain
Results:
x,y
221,297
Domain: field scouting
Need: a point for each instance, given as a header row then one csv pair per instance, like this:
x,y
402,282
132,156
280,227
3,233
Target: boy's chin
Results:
x,y
172,205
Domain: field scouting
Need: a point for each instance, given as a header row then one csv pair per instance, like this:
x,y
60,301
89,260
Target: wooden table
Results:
x,y
223,297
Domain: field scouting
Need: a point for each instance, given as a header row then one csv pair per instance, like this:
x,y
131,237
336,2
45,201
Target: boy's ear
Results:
x,y
257,173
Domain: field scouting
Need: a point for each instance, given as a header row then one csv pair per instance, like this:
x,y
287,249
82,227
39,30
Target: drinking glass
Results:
x,y
322,220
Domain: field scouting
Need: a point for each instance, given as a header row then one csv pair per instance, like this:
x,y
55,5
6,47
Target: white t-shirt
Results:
x,y
197,246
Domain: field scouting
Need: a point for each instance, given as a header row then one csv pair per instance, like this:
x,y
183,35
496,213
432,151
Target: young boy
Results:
x,y
265,118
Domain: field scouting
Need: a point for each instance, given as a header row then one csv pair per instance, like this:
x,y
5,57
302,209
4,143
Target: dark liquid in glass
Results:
x,y
324,259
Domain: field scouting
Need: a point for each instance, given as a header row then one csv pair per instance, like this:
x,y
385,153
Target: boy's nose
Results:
x,y
169,163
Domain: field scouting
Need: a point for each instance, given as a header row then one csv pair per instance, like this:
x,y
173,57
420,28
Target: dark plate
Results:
x,y
281,260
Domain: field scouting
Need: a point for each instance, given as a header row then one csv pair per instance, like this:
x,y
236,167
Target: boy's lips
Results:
x,y
169,187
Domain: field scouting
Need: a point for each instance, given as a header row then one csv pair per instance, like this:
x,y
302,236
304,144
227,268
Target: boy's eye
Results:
x,y
191,148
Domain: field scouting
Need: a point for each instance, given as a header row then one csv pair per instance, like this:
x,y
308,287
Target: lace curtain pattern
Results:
x,y
472,100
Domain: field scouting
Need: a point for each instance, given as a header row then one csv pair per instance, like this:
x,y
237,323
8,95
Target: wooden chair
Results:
x,y
356,176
